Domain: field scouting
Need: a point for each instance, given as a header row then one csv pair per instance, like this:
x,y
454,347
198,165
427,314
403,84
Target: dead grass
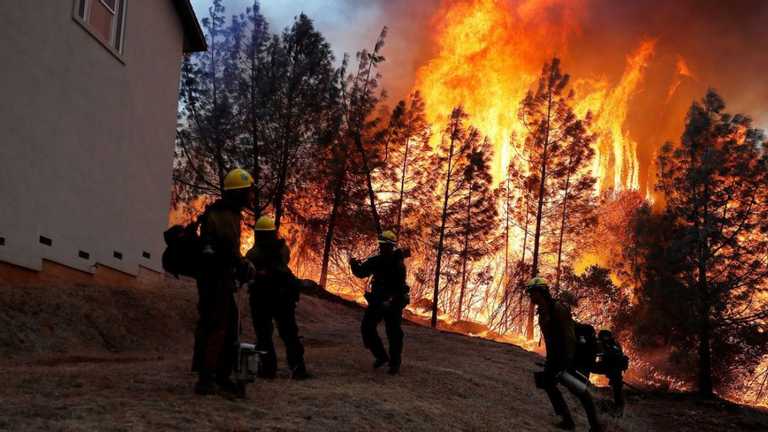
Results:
x,y
90,359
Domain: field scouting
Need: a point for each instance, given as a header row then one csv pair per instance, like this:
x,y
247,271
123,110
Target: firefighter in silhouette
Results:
x,y
612,363
221,265
274,293
557,329
386,300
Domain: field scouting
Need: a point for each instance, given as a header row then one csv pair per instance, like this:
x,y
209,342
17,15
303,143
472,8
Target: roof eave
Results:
x,y
194,38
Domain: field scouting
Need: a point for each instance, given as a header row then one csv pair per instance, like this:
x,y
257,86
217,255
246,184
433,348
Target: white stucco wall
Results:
x,y
86,141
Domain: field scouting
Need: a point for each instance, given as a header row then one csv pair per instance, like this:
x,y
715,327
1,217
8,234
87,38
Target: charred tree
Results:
x,y
448,158
556,138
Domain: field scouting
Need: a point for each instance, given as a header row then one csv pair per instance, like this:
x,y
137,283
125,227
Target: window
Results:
x,y
104,19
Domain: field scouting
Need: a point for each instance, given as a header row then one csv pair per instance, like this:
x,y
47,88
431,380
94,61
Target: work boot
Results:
x,y
205,385
566,424
379,362
299,373
394,369
227,386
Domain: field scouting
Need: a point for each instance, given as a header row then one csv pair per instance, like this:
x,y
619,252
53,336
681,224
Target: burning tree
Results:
x,y
468,215
407,154
477,215
557,148
714,187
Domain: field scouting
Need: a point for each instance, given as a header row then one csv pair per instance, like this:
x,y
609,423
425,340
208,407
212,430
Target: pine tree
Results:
x,y
407,154
302,72
576,191
449,163
363,100
714,188
478,212
553,129
256,90
208,131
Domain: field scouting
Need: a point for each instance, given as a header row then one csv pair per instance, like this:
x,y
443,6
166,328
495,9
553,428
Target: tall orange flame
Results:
x,y
489,53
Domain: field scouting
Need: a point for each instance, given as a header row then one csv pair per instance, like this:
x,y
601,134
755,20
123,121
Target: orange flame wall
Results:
x,y
488,53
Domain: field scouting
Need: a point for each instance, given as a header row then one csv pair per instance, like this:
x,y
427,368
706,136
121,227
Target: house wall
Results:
x,y
86,139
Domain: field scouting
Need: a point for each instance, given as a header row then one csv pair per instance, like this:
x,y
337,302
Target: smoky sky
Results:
x,y
722,41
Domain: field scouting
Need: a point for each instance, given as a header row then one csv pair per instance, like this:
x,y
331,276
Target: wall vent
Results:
x,y
118,255
84,255
146,255
46,241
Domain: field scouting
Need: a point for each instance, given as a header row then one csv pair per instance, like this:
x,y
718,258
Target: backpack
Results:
x,y
586,347
614,356
183,250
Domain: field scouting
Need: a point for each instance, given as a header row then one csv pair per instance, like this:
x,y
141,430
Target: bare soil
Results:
x,y
86,358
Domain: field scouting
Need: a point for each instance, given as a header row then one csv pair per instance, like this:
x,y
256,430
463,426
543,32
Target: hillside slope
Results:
x,y
94,358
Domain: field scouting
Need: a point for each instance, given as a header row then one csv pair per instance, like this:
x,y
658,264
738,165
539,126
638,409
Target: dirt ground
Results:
x,y
86,358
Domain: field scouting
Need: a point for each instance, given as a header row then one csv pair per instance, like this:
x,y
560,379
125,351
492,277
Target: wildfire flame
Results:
x,y
490,53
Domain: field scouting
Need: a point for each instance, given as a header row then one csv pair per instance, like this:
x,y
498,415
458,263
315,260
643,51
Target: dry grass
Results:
x,y
92,359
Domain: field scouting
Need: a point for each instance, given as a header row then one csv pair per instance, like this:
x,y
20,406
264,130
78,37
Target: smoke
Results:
x,y
721,42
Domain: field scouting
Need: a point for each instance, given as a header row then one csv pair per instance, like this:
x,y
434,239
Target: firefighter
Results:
x,y
217,282
612,363
274,293
557,329
386,301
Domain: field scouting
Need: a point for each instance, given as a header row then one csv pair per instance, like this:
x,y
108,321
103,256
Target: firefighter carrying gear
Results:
x,y
238,179
386,301
216,330
557,329
612,363
274,293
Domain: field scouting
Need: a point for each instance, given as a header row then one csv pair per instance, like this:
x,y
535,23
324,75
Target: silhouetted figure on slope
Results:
x,y
386,301
557,329
612,363
274,293
217,281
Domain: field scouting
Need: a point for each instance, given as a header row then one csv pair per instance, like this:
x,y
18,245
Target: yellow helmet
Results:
x,y
238,178
388,237
538,283
265,223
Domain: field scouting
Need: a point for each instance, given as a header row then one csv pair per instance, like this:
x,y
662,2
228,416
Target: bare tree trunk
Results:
x,y
540,208
705,330
465,253
328,242
369,181
441,239
281,187
562,229
254,141
402,187
506,233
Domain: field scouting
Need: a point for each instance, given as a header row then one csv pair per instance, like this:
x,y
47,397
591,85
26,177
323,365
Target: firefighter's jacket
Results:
x,y
220,238
388,271
270,258
557,329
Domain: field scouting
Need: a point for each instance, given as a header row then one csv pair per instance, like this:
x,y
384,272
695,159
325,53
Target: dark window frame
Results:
x,y
80,12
